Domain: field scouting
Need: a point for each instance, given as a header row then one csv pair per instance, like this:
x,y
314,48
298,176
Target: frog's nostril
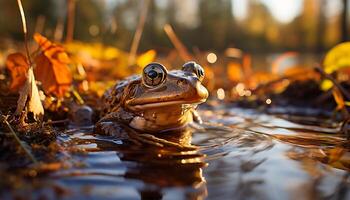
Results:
x,y
181,81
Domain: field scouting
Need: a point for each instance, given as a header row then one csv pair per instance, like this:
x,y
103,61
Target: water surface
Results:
x,y
242,154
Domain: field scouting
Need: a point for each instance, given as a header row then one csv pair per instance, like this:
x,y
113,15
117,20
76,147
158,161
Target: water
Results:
x,y
242,154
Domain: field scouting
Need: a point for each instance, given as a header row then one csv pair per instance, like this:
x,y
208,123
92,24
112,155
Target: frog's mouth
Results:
x,y
165,104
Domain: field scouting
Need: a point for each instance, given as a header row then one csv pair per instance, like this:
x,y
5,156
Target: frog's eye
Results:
x,y
153,74
194,68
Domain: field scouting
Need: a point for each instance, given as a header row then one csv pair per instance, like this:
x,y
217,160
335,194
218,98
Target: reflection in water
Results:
x,y
157,168
164,167
168,171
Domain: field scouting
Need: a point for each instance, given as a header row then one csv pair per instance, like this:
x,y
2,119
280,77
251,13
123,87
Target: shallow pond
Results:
x,y
242,154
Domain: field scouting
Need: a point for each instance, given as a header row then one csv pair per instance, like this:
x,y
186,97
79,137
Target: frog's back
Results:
x,y
112,97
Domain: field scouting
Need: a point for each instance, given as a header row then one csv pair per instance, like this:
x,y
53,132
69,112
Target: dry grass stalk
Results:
x,y
138,33
181,49
27,151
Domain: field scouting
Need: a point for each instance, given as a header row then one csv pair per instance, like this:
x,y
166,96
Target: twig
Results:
x,y
56,122
181,49
70,20
138,33
24,24
32,158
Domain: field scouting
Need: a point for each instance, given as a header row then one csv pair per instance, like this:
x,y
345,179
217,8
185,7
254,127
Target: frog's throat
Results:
x,y
140,107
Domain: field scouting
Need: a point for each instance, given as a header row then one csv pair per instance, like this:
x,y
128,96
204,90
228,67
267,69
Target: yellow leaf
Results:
x,y
338,57
347,103
326,85
146,58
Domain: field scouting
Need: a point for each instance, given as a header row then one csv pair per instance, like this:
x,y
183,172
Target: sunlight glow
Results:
x,y
220,93
212,58
268,101
239,9
284,11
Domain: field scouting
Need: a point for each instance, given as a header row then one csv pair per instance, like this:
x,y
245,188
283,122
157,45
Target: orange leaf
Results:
x,y
234,71
18,66
52,67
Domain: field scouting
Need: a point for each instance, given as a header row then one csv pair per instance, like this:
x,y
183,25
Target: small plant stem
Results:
x,y
138,33
24,24
180,48
32,158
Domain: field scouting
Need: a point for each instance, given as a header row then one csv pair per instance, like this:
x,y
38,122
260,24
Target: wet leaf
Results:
x,y
52,67
18,66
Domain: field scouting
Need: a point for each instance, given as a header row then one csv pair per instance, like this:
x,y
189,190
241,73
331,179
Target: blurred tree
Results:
x,y
10,22
216,22
321,28
88,21
344,21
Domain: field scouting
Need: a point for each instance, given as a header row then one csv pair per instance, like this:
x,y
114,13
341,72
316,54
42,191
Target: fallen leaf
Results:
x,y
337,58
18,66
29,95
52,67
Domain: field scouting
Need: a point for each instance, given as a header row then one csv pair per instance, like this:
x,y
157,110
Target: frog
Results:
x,y
156,101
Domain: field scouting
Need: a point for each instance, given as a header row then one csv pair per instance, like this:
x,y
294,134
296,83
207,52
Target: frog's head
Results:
x,y
160,89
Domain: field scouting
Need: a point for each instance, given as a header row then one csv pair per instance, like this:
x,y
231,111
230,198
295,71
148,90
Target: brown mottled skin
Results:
x,y
157,101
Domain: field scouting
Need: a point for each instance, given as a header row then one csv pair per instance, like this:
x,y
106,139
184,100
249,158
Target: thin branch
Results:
x,y
32,158
138,32
181,49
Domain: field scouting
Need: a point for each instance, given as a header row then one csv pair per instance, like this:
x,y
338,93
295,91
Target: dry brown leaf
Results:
x,y
29,95
52,67
18,66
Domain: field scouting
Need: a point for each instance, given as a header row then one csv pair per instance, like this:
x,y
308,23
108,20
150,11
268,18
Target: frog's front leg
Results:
x,y
111,128
196,117
113,124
